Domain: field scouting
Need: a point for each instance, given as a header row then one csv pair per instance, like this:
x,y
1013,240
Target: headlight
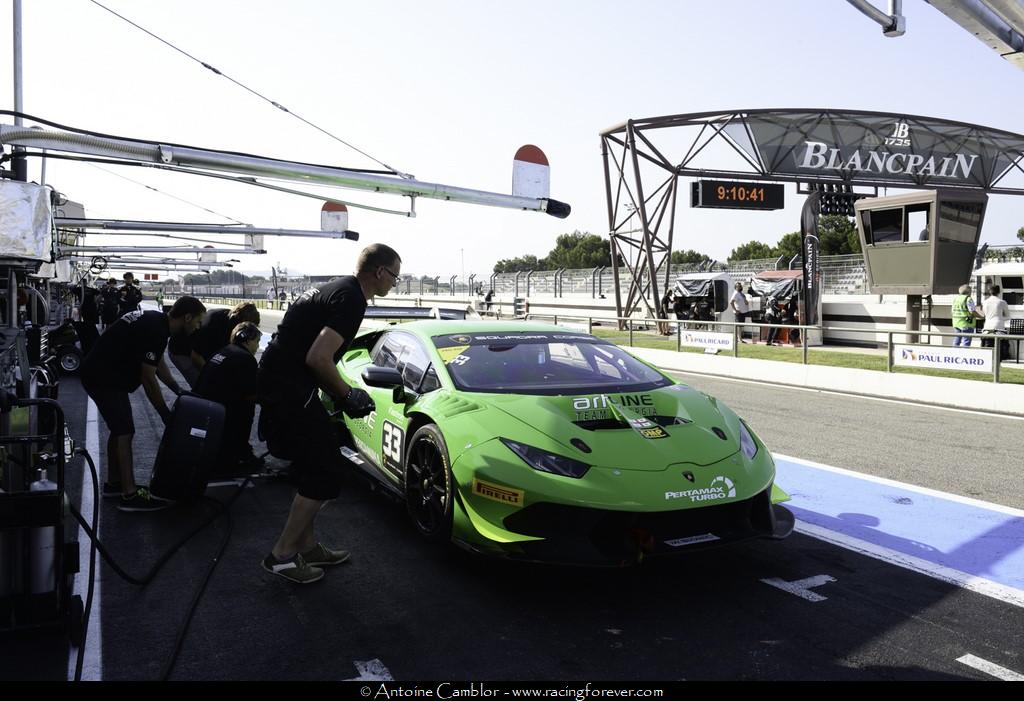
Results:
x,y
747,443
547,462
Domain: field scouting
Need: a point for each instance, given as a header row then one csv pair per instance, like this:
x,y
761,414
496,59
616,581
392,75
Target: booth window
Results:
x,y
883,225
1013,290
960,221
917,222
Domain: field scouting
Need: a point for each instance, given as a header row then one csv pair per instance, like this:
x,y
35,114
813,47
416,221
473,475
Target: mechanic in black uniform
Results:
x,y
300,360
129,296
217,328
89,315
109,303
128,354
229,378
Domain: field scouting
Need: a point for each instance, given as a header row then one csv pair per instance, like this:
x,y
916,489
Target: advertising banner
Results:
x,y
706,339
943,358
809,242
886,148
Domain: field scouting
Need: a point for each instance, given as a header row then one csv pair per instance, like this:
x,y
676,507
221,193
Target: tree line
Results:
x,y
837,235
580,250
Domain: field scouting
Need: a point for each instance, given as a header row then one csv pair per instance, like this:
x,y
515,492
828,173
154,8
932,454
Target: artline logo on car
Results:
x,y
602,401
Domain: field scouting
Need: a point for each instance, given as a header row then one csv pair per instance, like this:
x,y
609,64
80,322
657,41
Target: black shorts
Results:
x,y
296,427
114,405
307,436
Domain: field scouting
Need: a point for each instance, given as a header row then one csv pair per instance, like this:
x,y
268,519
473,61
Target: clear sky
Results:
x,y
449,90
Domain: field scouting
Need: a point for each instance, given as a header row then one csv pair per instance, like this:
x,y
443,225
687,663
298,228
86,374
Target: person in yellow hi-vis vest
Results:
x,y
965,311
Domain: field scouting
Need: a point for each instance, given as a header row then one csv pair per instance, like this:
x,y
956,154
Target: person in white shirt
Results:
x,y
740,306
996,314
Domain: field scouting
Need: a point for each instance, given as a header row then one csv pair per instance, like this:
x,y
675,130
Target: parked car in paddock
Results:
x,y
533,441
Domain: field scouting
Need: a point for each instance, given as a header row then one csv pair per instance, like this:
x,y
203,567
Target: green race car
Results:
x,y
534,441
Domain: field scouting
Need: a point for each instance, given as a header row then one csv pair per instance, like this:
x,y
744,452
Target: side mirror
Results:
x,y
376,376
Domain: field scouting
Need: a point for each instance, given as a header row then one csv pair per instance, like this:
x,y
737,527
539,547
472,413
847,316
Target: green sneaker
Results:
x,y
321,555
142,500
295,569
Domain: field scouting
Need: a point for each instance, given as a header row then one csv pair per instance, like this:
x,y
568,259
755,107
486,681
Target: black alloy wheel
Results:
x,y
428,484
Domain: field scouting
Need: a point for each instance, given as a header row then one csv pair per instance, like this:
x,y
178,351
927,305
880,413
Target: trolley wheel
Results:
x,y
76,620
70,360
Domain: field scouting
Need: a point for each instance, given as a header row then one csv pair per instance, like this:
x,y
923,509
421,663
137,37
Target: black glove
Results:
x,y
357,404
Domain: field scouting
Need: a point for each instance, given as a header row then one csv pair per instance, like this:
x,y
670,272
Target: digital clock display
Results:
x,y
730,194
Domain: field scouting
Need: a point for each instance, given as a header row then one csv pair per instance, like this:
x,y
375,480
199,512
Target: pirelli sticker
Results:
x,y
504,495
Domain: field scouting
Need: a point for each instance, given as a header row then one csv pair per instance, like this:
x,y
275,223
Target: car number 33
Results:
x,y
392,441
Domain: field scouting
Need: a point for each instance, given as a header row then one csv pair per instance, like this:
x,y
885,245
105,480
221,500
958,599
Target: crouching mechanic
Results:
x,y
301,359
229,378
128,354
217,328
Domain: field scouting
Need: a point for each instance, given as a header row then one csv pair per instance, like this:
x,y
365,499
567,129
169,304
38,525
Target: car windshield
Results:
x,y
542,363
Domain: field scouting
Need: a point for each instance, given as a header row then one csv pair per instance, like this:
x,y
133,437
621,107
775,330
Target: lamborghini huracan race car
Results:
x,y
533,441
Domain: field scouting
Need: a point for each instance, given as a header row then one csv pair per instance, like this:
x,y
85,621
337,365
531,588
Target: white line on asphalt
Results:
x,y
991,668
802,587
978,585
371,671
1008,510
92,661
816,390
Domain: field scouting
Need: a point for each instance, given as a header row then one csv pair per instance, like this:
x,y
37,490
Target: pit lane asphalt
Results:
x,y
435,613
967,453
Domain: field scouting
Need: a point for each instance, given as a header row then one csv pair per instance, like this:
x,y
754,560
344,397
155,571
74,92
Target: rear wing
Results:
x,y
411,313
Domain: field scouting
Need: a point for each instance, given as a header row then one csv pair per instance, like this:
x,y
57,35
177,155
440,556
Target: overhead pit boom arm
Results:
x,y
187,157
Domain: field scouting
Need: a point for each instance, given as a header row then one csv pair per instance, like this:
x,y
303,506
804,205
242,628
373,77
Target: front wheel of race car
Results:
x,y
428,484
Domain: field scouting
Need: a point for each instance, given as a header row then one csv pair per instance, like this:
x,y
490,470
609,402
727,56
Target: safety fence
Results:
x,y
840,275
900,349
904,349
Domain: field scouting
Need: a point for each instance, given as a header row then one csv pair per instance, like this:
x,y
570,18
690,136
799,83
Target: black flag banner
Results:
x,y
809,245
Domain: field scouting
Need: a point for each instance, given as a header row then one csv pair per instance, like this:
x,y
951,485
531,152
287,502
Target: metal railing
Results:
x,y
273,304
910,336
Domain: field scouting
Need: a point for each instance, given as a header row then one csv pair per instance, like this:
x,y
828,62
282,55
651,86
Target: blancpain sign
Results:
x,y
706,339
818,155
943,357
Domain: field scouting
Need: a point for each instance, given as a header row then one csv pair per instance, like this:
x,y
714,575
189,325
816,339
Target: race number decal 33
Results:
x,y
391,444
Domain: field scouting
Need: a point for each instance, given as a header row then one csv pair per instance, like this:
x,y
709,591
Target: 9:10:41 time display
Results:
x,y
740,193
726,194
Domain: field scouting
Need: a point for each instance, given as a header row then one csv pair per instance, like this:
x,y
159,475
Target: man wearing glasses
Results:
x,y
301,359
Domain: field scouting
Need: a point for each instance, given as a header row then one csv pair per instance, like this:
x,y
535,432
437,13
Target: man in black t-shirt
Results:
x,y
215,333
130,353
88,314
88,303
302,359
229,378
109,303
129,297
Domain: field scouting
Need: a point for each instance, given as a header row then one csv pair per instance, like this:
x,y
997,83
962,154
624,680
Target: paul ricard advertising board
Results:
x,y
943,357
